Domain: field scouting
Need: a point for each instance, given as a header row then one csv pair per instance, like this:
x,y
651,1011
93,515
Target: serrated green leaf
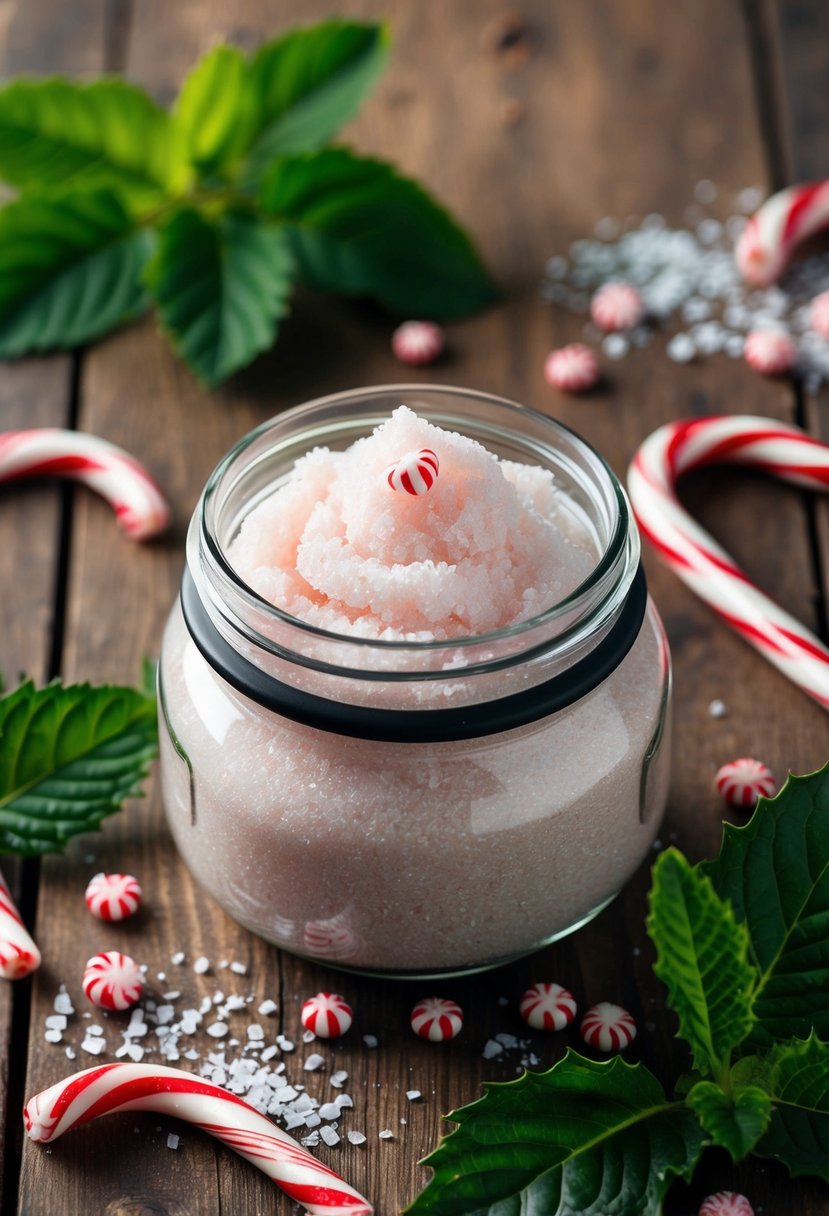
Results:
x,y
70,270
57,133
69,756
216,110
359,228
220,284
584,1139
733,1123
798,1080
702,959
309,82
775,873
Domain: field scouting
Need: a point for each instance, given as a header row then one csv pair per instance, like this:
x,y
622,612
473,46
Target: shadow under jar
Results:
x,y
414,808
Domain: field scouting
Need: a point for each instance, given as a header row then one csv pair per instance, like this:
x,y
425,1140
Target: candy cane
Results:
x,y
48,451
699,561
783,222
171,1091
18,953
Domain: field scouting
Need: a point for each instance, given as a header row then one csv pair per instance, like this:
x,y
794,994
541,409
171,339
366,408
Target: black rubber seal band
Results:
x,y
417,726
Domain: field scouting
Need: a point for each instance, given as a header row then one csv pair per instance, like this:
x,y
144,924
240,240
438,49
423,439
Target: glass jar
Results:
x,y
414,808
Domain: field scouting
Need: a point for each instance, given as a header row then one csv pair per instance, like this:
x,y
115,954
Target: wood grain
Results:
x,y
595,109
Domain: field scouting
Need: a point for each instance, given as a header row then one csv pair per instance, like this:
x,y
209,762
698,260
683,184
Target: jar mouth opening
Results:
x,y
442,404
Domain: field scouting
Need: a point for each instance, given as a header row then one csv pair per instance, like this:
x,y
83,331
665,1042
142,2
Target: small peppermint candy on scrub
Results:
x,y
548,1007
417,342
415,473
608,1027
617,306
769,351
436,1019
327,1015
572,369
113,980
113,896
726,1203
741,782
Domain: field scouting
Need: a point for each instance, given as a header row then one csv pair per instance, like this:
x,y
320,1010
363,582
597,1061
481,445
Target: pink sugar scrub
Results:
x,y
487,546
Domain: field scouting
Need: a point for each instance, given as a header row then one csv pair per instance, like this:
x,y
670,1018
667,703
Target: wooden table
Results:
x,y
531,133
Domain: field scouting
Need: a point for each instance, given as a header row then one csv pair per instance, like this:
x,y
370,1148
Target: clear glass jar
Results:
x,y
426,808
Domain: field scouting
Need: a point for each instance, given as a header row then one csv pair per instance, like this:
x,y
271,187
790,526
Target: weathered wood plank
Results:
x,y
616,110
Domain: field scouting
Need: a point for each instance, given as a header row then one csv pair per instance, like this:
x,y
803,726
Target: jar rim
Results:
x,y
614,550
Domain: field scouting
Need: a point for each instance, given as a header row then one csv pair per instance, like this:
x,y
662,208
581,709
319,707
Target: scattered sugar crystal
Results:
x,y
355,1138
404,1122
234,1003
681,348
224,964
269,1052
135,1052
329,1110
312,1119
63,1002
267,1007
343,1100
53,1036
206,1004
172,1140
339,1078
165,1014
255,1033
311,1140
492,1049
370,1040
283,1043
218,997
55,1021
615,346
413,1094
94,1029
93,1045
308,1036
171,996
217,1030
313,1062
386,1134
178,958
718,709
507,1040
201,965
239,968
70,1053
161,975
329,1136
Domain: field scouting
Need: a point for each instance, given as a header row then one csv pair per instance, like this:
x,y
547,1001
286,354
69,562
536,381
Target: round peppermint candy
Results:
x,y
548,1007
327,1015
617,306
417,342
572,369
436,1019
415,473
113,980
741,782
726,1203
608,1027
769,351
113,896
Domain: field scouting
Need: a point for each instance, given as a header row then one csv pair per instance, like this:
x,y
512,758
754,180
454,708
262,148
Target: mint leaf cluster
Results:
x,y
742,947
211,211
69,756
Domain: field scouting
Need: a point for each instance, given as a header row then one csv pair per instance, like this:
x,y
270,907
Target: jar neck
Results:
x,y
227,618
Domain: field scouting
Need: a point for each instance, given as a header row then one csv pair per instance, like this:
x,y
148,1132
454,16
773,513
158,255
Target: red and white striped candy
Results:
x,y
436,1019
417,342
548,1007
781,224
726,1203
819,314
617,306
139,506
111,1088
608,1027
113,896
741,782
769,351
327,1015
414,473
697,558
330,939
113,980
18,953
572,369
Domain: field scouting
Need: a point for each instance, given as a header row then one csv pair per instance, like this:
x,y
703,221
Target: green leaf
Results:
x,y
735,1124
107,134
70,270
359,228
309,82
702,960
220,284
215,109
798,1135
69,756
775,872
584,1138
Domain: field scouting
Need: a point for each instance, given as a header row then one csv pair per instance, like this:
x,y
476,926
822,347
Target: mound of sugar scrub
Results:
x,y
491,543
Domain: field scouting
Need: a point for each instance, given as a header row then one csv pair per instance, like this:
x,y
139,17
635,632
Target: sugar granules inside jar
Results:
x,y
690,284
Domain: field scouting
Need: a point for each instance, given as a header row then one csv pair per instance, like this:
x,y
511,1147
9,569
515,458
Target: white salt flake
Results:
x,y
173,1140
343,1100
53,1036
255,1033
267,1008
55,1021
171,996
355,1138
339,1078
94,1029
93,1046
239,968
269,1052
70,1053
308,1036
217,1030
329,1136
681,348
311,1140
178,958
313,1119
329,1110
370,1040
718,709
386,1134
202,965
283,1043
313,1062
63,1002
492,1049
413,1094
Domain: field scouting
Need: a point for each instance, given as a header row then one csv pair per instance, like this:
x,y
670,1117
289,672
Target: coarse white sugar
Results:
x,y
308,1036
343,1100
492,1049
161,976
329,1136
165,1014
283,1043
267,1008
94,1029
311,1140
339,1078
717,709
217,1030
255,1033
53,1036
202,965
239,968
93,1046
178,958
370,1040
313,1062
329,1110
413,1094
269,1052
312,1119
355,1137
681,348
616,346
70,1053
206,1004
63,1002
218,997
55,1021
173,1140
386,1134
